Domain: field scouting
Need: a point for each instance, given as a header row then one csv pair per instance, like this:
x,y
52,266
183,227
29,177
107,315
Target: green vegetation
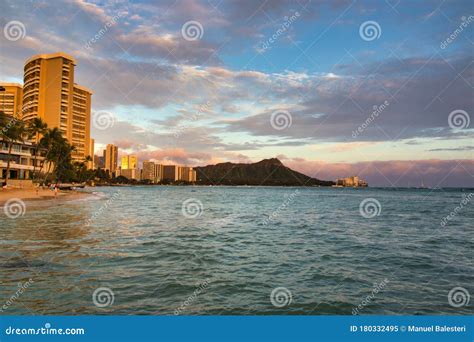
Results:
x,y
57,165
265,172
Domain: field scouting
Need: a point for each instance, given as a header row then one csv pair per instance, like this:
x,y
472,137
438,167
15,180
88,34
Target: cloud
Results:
x,y
419,102
176,157
460,148
398,173
144,41
92,9
155,81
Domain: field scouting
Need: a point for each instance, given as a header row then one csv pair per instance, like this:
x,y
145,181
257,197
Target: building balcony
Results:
x,y
13,165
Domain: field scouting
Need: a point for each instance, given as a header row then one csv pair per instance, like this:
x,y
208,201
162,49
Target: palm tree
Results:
x,y
36,127
12,131
60,155
50,138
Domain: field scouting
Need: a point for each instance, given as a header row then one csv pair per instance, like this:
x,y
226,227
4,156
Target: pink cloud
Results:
x,y
432,172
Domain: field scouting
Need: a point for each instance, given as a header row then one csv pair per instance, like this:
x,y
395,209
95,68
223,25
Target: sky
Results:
x,y
379,89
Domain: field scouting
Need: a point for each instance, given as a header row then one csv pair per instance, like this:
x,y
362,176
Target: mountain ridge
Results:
x,y
265,172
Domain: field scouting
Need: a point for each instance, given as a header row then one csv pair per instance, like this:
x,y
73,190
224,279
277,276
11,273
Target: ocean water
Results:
x,y
165,250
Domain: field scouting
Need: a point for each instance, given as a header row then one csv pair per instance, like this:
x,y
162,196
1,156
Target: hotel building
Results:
x,y
129,162
21,161
353,181
148,171
91,163
49,92
129,167
111,158
11,99
159,172
131,173
152,171
187,174
170,173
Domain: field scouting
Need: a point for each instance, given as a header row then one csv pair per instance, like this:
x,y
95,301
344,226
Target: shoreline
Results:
x,y
43,194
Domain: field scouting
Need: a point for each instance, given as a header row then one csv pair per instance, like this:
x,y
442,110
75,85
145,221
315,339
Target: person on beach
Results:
x,y
55,191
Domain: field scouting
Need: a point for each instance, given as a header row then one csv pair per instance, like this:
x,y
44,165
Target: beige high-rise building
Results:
x,y
81,122
91,164
152,171
148,171
158,172
129,167
111,158
11,99
129,162
131,174
170,173
192,175
124,163
49,92
187,174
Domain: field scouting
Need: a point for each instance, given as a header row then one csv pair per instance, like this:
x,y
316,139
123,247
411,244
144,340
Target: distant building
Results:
x,y
187,174
131,173
170,173
11,99
99,162
110,158
148,171
159,172
129,167
129,162
124,162
91,164
353,181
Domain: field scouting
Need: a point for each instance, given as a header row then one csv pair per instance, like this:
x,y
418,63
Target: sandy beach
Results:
x,y
40,194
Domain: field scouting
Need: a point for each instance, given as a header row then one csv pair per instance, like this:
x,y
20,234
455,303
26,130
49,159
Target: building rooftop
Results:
x,y
5,84
82,88
52,55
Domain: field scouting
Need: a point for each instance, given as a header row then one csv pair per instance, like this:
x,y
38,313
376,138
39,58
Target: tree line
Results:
x,y
57,165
